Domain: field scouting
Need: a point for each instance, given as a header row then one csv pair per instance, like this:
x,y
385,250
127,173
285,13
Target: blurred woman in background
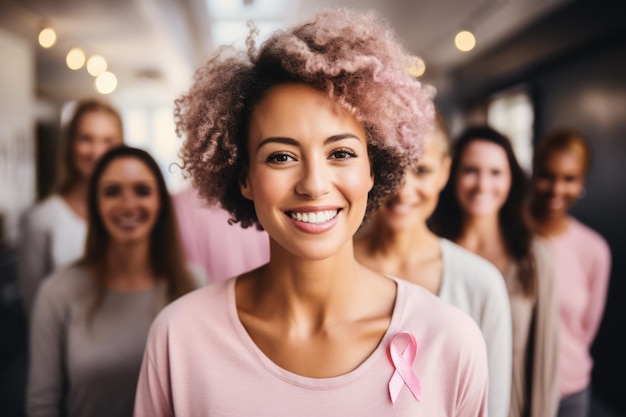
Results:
x,y
91,319
582,259
398,242
53,232
482,209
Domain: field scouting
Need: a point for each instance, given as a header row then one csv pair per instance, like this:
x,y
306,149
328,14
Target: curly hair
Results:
x,y
355,59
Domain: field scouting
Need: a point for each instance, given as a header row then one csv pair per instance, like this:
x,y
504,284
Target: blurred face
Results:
x,y
417,198
128,200
309,172
484,179
558,182
97,132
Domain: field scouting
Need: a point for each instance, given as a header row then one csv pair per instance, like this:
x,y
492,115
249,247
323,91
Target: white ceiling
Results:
x,y
153,46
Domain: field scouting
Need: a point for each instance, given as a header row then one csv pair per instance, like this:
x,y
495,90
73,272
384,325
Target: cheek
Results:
x,y
541,185
357,182
463,184
81,149
266,188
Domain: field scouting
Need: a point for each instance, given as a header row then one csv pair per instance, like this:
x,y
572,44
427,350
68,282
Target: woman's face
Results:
x,y
309,172
483,179
128,200
97,132
417,198
558,181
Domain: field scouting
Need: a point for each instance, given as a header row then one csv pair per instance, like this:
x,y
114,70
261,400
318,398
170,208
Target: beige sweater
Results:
x,y
535,387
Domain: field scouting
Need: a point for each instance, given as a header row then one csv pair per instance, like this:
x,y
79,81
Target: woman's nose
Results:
x,y
314,181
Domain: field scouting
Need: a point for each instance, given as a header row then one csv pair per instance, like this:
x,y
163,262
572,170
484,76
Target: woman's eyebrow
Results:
x,y
293,142
278,139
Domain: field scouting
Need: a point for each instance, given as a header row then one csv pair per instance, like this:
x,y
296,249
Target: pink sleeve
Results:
x,y
598,276
153,394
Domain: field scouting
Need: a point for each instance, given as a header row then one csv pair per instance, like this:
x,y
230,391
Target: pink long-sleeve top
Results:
x,y
200,361
582,263
224,250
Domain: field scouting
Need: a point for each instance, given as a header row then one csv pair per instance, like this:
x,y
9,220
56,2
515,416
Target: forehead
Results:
x,y
127,169
101,116
435,144
565,159
484,152
293,110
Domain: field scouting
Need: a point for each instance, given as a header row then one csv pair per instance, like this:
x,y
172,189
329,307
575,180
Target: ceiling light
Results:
x,y
75,58
96,65
465,41
47,37
106,83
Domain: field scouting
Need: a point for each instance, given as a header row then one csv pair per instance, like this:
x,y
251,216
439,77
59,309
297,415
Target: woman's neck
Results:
x,y
128,267
76,198
412,254
394,249
483,236
547,225
309,293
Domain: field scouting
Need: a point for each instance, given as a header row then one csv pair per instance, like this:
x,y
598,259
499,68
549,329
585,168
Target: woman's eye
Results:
x,y
111,191
422,171
143,190
279,158
343,154
468,170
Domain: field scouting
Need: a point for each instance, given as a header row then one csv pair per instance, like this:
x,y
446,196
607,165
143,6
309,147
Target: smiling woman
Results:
x,y
582,259
91,319
304,137
482,208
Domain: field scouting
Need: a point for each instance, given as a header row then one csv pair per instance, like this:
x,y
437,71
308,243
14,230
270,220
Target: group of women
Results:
x,y
322,138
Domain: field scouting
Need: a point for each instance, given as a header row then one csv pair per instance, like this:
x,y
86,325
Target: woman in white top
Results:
x,y
53,232
398,242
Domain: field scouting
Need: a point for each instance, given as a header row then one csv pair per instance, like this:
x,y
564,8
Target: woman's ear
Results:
x,y
244,186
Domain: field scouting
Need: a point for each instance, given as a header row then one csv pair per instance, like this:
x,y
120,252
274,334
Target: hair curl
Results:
x,y
355,58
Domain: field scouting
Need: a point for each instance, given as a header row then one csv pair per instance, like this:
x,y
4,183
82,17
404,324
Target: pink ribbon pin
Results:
x,y
403,362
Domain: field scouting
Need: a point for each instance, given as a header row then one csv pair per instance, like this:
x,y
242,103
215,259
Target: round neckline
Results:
x,y
311,382
70,209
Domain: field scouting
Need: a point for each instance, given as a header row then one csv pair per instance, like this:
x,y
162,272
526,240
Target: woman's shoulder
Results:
x,y
466,261
584,233
65,284
470,270
47,212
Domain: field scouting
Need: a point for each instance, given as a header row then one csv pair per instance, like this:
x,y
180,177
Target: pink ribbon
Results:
x,y
403,364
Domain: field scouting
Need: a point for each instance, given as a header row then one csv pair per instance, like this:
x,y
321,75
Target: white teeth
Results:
x,y
314,218
127,222
402,208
